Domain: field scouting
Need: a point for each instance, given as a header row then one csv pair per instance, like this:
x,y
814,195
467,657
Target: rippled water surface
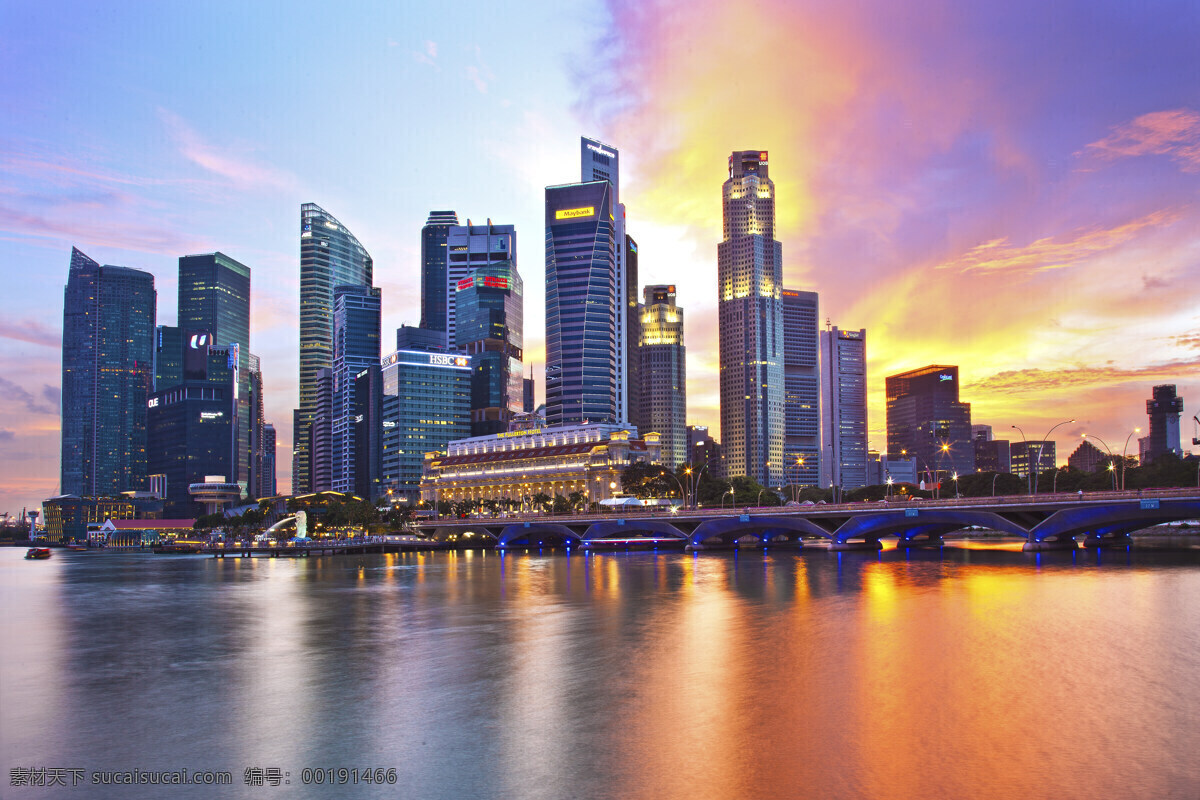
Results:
x,y
960,672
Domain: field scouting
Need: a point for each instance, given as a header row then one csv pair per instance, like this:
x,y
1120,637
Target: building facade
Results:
x,y
357,322
426,404
802,456
926,420
489,312
470,248
1163,408
513,468
750,320
1026,455
581,305
844,409
107,375
661,404
433,270
330,256
1088,458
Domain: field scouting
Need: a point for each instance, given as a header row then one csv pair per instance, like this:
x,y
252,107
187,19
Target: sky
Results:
x,y
1013,188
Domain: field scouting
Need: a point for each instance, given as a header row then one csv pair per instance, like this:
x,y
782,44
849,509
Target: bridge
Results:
x,y
1046,522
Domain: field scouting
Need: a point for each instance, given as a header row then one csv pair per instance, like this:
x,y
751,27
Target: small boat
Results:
x,y
77,547
38,552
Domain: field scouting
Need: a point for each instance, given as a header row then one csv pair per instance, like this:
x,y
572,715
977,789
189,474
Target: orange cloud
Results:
x,y
1172,133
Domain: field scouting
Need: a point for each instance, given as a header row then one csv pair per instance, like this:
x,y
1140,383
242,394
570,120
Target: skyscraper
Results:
x,y
581,304
329,256
433,269
357,319
107,374
844,409
750,320
468,248
925,420
802,455
662,405
489,328
1163,408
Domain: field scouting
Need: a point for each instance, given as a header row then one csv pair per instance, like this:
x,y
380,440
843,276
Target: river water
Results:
x,y
946,673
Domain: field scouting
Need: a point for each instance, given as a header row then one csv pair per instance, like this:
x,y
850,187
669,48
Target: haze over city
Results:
x,y
1010,188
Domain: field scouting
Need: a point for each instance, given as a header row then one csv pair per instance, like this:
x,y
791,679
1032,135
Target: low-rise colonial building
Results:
x,y
516,466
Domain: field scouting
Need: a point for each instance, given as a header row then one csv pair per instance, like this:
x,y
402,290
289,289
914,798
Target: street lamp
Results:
x,y
1041,447
1025,448
682,493
937,486
889,489
1111,458
956,494
732,497
1123,449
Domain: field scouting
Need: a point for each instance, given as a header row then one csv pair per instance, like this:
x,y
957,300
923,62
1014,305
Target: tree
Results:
x,y
561,504
578,500
644,480
541,501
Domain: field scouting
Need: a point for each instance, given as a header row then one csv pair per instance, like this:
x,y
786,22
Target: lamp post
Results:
x,y
889,488
937,486
1025,447
1112,467
955,477
682,493
732,497
1042,447
1126,447
694,482
997,475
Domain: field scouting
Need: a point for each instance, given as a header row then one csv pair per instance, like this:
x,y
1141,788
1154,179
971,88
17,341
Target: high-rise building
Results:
x,y
357,321
750,322
802,455
412,338
627,331
1163,408
368,433
433,269
702,448
991,455
469,248
168,356
329,256
426,404
489,313
1087,457
320,435
844,409
1024,455
214,297
661,406
107,375
266,474
528,404
581,304
926,420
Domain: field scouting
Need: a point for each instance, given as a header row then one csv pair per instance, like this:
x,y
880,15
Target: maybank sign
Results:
x,y
600,150
574,213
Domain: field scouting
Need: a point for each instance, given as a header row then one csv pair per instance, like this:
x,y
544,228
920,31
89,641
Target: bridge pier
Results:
x,y
1120,540
1033,546
868,544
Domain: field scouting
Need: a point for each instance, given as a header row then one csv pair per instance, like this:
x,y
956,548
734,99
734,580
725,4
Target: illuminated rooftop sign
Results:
x,y
945,377
574,213
601,151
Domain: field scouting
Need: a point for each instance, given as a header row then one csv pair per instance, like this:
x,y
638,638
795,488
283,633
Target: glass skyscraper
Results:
x,y
924,414
107,375
488,325
844,409
661,362
433,269
469,248
750,322
357,314
329,256
582,304
801,389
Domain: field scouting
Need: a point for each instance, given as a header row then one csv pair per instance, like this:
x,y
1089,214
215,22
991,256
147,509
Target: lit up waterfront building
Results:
x,y
844,409
802,456
925,420
107,375
750,320
489,309
581,305
329,256
515,467
661,405
426,404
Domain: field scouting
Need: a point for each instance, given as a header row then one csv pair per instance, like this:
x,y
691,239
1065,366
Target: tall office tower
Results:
x,y
426,404
527,401
468,248
925,420
368,433
701,447
802,455
329,256
991,455
266,475
257,424
1027,455
661,406
489,328
602,162
107,374
409,337
320,435
168,356
844,409
433,269
214,296
750,320
1163,408
357,320
581,304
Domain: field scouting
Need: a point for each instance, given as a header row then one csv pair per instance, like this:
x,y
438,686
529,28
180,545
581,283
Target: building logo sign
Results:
x,y
575,213
153,403
850,335
466,283
945,377
440,360
762,157
211,414
495,283
198,340
601,151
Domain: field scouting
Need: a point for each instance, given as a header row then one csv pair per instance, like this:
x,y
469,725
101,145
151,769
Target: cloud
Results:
x,y
1075,378
234,167
6,435
30,331
1052,252
1173,133
46,405
479,73
426,55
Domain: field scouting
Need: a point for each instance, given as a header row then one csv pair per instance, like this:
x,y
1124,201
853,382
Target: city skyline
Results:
x,y
1009,189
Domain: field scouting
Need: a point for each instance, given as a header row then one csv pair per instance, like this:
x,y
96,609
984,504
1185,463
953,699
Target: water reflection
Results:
x,y
946,671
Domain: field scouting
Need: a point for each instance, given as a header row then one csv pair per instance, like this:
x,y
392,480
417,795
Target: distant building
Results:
x,y
430,341
470,248
925,420
661,405
991,455
66,518
357,314
802,389
882,467
702,448
433,273
268,486
1041,456
1087,457
844,408
528,404
1163,408
107,374
489,327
